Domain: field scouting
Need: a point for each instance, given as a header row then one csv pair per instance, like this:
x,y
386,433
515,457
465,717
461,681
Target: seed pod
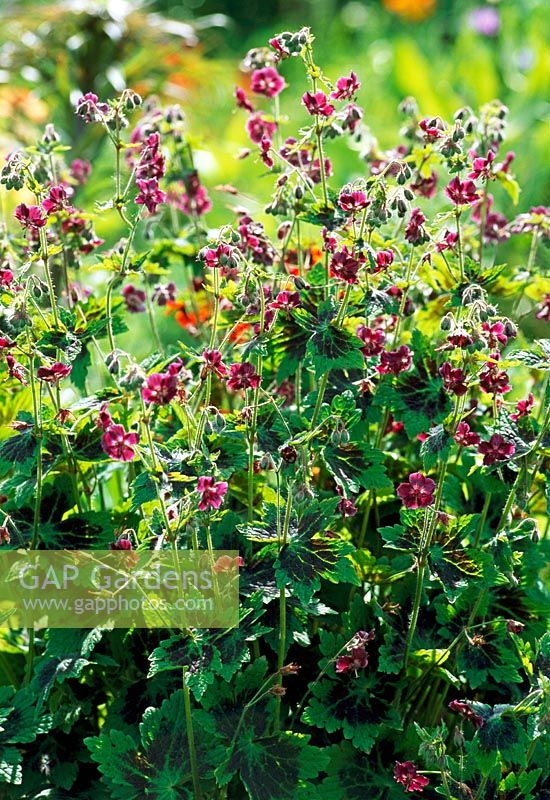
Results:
x,y
510,329
112,363
446,323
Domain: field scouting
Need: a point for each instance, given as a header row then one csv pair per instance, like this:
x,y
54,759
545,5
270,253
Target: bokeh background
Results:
x,y
445,53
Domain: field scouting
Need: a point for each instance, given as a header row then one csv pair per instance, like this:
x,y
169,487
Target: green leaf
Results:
x,y
81,366
309,555
356,466
274,766
143,490
334,348
349,706
158,768
18,451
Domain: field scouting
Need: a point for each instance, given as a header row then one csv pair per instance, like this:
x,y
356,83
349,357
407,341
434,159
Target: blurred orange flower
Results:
x,y
414,10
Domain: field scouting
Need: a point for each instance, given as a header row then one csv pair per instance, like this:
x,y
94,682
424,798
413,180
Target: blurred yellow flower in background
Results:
x,y
414,10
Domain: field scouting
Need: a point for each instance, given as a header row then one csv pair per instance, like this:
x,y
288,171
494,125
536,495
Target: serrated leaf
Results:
x,y
356,466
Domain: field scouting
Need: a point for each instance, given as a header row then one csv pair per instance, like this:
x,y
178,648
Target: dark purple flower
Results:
x,y
164,293
152,163
350,117
122,543
464,436
494,333
212,492
345,266
406,773
150,195
496,449
418,492
57,200
467,712
243,376
242,100
30,217
353,201
119,444
395,361
346,87
384,259
524,407
454,379
494,380
80,170
317,104
426,187
161,387
267,81
415,233
432,127
90,109
352,662
134,298
286,301
213,363
53,374
257,126
461,193
373,340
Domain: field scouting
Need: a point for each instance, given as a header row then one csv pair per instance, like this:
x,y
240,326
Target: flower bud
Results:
x,y
446,323
112,363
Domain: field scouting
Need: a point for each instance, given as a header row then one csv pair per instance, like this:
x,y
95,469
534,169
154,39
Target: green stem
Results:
x,y
459,245
282,614
425,542
324,380
197,791
51,290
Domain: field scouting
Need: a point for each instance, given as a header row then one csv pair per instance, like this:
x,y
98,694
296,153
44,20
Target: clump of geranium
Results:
x,y
344,382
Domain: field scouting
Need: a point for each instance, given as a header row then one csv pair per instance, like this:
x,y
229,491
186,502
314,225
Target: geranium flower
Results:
x,y
353,201
395,361
467,712
352,662
30,217
464,436
149,194
461,193
496,449
373,340
243,376
344,265
286,301
161,387
454,379
119,443
406,773
523,407
213,363
53,374
57,200
418,492
317,104
267,81
346,87
257,126
134,299
90,108
242,100
212,492
415,233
